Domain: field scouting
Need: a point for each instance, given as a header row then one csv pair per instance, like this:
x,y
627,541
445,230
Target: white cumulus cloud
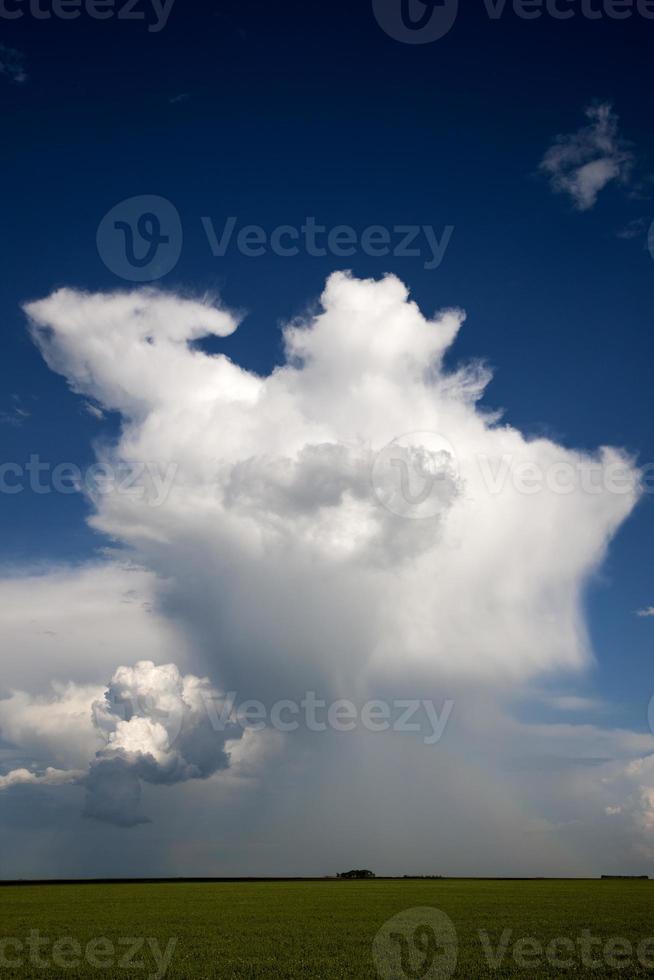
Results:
x,y
278,473
151,724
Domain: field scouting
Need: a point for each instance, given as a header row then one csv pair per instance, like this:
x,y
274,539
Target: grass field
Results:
x,y
324,929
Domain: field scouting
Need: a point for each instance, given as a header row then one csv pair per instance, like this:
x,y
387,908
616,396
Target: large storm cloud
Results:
x,y
354,523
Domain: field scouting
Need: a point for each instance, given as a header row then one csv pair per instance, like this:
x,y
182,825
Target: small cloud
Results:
x,y
581,164
178,99
16,415
645,613
229,25
12,64
634,229
570,702
93,410
51,777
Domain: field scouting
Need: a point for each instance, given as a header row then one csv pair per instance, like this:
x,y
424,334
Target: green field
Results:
x,y
324,929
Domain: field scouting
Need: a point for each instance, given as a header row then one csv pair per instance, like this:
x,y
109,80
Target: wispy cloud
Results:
x,y
569,702
15,415
93,410
646,613
581,164
634,229
12,64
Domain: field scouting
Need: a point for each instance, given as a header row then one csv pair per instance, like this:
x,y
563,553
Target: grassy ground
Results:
x,y
324,929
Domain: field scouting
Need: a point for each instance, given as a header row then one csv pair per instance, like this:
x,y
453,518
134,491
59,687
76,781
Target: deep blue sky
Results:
x,y
308,108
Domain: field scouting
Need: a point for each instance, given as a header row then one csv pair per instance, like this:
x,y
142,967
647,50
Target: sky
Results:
x,y
326,376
